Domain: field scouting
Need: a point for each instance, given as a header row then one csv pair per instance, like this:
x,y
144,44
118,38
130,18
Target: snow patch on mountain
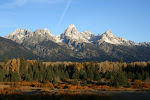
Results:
x,y
70,35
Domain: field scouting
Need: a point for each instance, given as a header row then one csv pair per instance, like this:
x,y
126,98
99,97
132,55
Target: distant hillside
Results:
x,y
11,49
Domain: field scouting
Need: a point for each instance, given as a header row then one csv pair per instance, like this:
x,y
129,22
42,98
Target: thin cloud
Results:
x,y
13,4
16,3
46,1
68,4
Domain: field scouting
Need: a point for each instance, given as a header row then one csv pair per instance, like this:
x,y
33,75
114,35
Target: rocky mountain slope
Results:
x,y
72,45
11,49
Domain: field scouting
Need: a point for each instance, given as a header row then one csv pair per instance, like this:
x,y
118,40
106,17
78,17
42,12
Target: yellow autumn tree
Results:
x,y
13,65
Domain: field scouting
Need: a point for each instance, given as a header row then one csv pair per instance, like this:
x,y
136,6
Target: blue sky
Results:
x,y
129,19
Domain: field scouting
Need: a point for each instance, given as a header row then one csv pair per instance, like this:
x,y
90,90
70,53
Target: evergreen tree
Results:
x,y
41,74
133,77
60,74
36,75
2,74
50,75
28,78
143,74
22,64
42,70
139,76
75,74
1,77
66,75
122,78
84,83
146,75
90,75
97,76
107,75
112,79
30,73
117,85
15,77
35,66
130,75
83,75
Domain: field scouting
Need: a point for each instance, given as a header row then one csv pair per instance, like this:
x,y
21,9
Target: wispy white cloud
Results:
x,y
46,1
16,3
13,4
68,4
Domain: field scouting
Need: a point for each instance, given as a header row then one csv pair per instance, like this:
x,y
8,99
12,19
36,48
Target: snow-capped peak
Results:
x,y
17,31
43,32
18,35
72,26
46,30
70,30
70,34
109,37
108,33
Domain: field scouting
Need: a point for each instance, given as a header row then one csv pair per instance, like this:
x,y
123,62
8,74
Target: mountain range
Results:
x,y
72,45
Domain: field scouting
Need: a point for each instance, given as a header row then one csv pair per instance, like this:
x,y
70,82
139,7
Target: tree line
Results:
x,y
32,70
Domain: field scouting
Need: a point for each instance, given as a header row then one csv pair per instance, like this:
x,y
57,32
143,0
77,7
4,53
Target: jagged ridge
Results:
x,y
79,45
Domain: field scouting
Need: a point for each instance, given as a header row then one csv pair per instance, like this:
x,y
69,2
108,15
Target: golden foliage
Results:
x,y
13,65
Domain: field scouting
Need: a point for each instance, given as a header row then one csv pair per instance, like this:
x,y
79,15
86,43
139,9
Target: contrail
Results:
x,y
64,12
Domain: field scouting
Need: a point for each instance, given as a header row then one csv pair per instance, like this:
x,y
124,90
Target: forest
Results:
x,y
117,74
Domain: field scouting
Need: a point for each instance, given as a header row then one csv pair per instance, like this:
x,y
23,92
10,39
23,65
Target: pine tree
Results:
x,y
107,75
22,64
90,74
83,75
133,77
15,77
84,83
41,70
66,75
30,73
143,74
122,78
139,76
112,80
37,75
146,75
28,78
75,74
130,75
97,76
1,77
2,74
49,75
117,85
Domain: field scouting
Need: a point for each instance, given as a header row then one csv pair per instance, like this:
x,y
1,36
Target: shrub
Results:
x,y
75,82
85,83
